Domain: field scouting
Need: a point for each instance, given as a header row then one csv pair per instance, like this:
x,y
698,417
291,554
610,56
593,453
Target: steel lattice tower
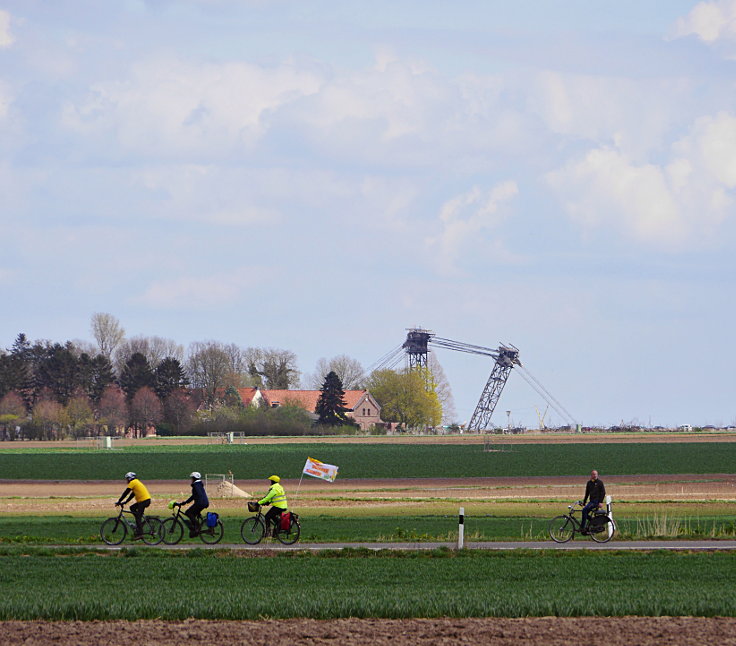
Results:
x,y
506,360
416,348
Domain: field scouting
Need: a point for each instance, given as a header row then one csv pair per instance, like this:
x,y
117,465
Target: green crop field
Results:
x,y
368,461
142,583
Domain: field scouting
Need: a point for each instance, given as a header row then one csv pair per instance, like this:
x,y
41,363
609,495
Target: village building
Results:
x,y
360,404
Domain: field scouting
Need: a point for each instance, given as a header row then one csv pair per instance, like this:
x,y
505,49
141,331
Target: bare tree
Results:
x,y
349,371
154,348
442,388
107,332
275,369
112,410
145,408
79,347
208,367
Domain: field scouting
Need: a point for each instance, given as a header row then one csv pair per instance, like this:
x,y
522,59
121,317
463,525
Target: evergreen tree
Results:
x,y
331,405
170,376
233,398
58,370
16,370
136,374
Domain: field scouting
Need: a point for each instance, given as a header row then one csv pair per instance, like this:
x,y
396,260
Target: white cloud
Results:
x,y
396,111
5,100
633,114
675,204
467,219
6,37
709,21
202,292
205,193
169,107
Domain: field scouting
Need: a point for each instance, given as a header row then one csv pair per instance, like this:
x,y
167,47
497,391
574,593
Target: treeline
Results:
x,y
54,390
51,390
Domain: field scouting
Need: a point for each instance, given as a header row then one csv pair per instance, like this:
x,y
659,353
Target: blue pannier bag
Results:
x,y
211,519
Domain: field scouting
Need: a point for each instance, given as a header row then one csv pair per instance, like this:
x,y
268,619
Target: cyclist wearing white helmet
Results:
x,y
199,502
142,500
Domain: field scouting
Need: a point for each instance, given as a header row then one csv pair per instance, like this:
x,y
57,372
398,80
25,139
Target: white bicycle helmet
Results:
x,y
196,475
130,476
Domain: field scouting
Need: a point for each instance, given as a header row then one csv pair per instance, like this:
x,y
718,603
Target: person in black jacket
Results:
x,y
595,492
199,502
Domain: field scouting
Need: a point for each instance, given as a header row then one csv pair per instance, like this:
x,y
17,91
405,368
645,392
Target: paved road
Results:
x,y
490,545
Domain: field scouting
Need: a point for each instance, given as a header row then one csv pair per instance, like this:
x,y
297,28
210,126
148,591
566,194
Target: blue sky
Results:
x,y
320,176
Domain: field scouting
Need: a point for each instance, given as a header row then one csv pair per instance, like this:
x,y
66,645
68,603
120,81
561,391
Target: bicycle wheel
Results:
x,y
252,530
153,532
113,531
212,535
601,535
173,531
561,529
291,535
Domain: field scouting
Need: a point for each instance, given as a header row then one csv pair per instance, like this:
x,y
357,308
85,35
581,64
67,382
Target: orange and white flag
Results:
x,y
318,469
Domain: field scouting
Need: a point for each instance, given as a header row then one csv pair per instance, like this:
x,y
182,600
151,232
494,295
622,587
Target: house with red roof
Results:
x,y
360,404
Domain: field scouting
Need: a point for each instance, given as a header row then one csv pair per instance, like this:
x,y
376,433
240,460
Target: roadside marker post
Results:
x,y
461,529
609,511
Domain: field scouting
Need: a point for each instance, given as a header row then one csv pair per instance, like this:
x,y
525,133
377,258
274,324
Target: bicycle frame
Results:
x,y
178,516
577,527
130,523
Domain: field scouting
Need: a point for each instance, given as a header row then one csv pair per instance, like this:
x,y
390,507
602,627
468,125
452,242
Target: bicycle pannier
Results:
x,y
286,521
211,519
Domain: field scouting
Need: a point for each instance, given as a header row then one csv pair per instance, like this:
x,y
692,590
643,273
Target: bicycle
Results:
x,y
174,529
114,530
253,529
563,528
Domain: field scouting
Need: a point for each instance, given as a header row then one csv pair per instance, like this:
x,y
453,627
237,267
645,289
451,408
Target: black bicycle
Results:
x,y
114,530
253,529
563,528
174,529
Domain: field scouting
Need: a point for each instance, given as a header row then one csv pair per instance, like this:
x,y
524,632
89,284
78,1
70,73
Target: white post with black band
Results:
x,y
461,529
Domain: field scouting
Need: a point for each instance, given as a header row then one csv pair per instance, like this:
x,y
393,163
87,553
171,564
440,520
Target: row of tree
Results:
x,y
78,385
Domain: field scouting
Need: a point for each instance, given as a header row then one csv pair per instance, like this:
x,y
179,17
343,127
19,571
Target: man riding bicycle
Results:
x,y
596,492
142,500
199,502
276,497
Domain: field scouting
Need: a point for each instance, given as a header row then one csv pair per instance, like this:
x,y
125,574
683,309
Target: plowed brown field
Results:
x,y
542,631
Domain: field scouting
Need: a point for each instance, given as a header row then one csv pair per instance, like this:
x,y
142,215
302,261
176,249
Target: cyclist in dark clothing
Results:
x,y
595,492
199,502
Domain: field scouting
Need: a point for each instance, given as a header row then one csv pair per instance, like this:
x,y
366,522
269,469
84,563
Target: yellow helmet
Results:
x,y
274,478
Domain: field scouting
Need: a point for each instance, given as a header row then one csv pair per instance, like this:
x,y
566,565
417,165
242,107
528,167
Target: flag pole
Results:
x,y
299,485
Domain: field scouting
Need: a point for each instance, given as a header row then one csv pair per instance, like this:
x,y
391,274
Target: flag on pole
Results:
x,y
318,469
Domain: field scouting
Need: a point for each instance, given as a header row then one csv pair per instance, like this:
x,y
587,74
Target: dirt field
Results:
x,y
94,496
547,631
472,438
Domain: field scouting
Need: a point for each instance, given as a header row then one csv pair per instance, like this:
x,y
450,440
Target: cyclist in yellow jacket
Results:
x,y
142,500
276,497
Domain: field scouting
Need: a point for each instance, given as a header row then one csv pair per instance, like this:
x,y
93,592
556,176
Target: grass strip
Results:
x,y
331,528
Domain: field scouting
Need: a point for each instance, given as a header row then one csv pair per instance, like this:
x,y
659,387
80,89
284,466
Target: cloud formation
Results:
x,y
467,220
709,21
675,204
6,37
169,107
201,292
